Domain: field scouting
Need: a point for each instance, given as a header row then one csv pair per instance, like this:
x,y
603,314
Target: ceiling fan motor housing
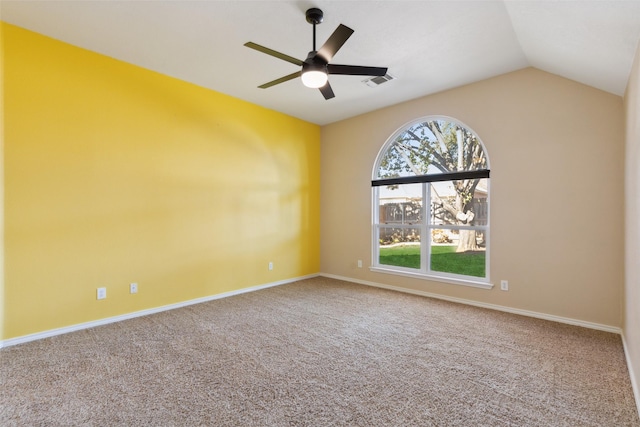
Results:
x,y
314,71
314,61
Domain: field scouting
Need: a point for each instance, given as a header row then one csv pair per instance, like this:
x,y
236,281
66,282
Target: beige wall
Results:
x,y
556,149
632,230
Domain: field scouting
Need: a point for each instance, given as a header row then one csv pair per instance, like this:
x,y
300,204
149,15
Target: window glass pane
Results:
x,y
444,258
399,247
461,202
400,204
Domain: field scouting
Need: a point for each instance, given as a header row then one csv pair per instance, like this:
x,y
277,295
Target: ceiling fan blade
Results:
x,y
327,92
274,53
281,80
334,42
356,70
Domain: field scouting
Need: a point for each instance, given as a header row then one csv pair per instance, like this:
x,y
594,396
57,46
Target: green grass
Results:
x,y
443,258
401,256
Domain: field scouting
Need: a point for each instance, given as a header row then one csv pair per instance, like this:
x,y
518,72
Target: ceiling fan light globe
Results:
x,y
314,79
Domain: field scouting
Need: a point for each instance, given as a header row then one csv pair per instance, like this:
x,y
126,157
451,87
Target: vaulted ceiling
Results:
x,y
428,46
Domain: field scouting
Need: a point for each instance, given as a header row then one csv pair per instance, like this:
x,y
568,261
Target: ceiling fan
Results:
x,y
316,68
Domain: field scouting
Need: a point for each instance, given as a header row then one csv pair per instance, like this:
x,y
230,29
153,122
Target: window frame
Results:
x,y
426,226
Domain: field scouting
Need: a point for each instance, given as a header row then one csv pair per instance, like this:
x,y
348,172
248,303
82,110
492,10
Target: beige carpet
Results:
x,y
320,352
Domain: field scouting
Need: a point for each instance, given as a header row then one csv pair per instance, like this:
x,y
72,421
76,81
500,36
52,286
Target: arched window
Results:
x,y
431,203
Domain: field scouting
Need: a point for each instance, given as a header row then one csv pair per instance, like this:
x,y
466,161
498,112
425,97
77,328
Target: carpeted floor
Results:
x,y
320,352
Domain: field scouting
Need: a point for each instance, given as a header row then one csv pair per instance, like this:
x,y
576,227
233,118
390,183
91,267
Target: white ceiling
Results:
x,y
429,46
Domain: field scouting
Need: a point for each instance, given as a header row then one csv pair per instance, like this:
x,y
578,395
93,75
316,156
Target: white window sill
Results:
x,y
451,280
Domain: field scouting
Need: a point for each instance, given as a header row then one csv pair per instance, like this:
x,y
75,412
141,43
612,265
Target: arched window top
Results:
x,y
428,147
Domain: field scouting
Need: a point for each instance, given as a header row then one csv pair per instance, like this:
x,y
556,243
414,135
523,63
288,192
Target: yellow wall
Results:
x,y
116,174
632,229
557,176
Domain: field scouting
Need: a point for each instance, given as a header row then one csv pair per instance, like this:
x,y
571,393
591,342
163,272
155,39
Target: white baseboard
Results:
x,y
91,324
632,375
496,307
94,323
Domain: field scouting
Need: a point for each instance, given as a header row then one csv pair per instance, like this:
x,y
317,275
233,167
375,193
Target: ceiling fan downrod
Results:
x,y
314,17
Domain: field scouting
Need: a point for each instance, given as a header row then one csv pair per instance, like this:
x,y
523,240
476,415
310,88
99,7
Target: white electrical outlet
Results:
x,y
359,263
133,288
504,285
101,293
270,266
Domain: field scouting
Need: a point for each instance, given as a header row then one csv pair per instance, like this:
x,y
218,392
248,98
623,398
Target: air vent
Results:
x,y
378,80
